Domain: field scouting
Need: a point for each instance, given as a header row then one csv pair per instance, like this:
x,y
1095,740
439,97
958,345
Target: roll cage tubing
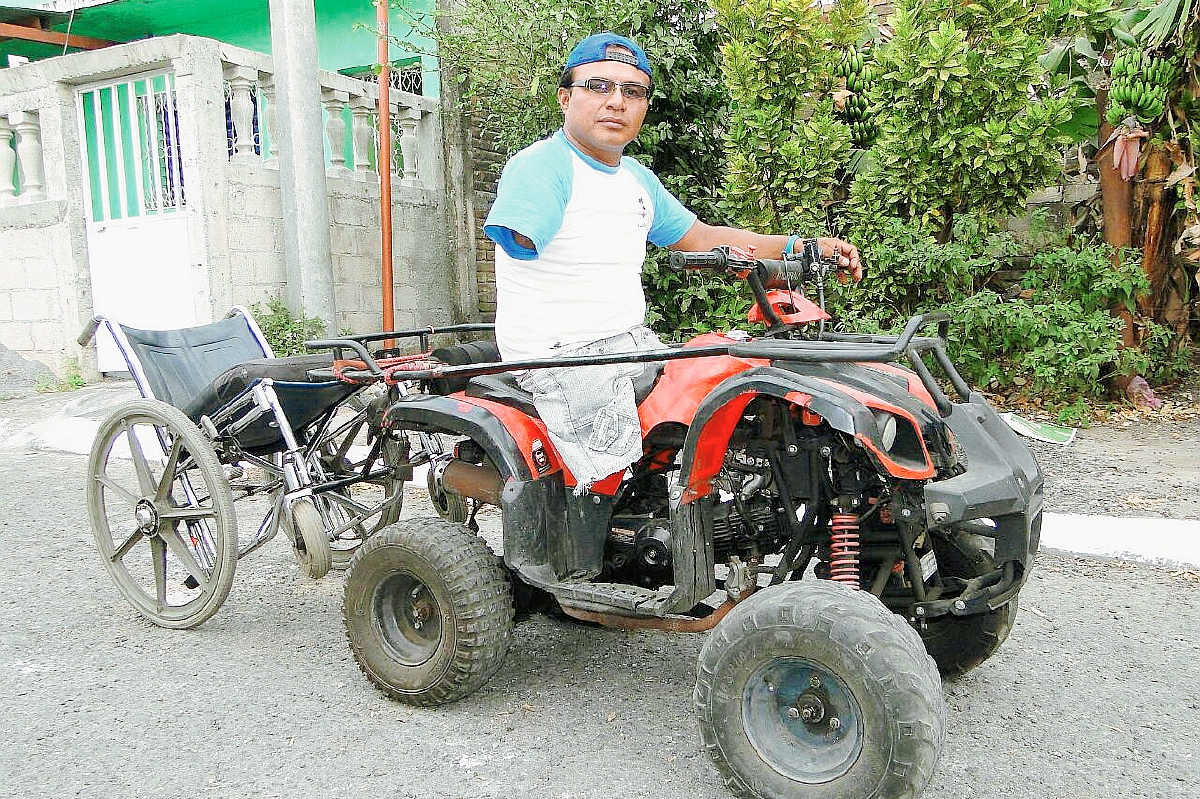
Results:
x,y
829,348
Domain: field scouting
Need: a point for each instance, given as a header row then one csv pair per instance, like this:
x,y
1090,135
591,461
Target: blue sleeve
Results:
x,y
671,219
531,199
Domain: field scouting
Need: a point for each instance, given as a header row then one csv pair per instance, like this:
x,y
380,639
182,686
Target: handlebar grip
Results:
x,y
714,259
89,330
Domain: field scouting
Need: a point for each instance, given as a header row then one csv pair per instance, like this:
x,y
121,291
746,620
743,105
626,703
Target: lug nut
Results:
x,y
835,723
793,713
815,681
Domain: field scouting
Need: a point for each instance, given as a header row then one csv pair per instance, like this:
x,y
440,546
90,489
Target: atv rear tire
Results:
x,y
960,643
428,611
813,689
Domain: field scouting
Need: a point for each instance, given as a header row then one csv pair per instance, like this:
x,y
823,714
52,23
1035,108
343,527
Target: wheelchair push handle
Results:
x,y
89,330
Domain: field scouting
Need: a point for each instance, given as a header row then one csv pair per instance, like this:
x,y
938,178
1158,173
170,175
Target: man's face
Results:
x,y
601,125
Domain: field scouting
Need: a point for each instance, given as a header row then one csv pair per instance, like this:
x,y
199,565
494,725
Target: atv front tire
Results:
x,y
812,689
960,643
428,611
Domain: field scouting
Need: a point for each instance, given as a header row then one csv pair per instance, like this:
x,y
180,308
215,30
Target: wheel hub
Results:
x,y
811,708
145,515
409,618
803,720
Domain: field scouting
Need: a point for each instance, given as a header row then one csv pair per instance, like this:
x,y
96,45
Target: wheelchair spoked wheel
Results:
x,y
162,513
343,452
450,506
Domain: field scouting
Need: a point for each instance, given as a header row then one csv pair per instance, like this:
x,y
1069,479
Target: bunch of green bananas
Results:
x,y
859,76
1140,85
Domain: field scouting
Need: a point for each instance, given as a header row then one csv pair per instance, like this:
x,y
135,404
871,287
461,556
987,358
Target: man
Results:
x,y
572,217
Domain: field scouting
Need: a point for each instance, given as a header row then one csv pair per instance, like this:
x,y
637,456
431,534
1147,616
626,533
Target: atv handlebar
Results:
x,y
774,273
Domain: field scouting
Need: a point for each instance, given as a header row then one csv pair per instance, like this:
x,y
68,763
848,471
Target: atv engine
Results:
x,y
746,522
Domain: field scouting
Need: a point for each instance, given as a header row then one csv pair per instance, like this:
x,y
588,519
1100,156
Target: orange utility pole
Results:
x,y
384,160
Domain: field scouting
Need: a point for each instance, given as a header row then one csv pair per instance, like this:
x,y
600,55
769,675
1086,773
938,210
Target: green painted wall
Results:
x,y
342,41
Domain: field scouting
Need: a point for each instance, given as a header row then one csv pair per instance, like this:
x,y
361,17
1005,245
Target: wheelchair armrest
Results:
x,y
350,344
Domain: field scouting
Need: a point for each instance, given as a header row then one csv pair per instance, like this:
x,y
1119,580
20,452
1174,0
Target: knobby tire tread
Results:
x,y
482,604
890,649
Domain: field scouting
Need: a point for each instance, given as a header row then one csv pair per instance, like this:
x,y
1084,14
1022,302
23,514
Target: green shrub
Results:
x,y
1055,340
70,381
286,332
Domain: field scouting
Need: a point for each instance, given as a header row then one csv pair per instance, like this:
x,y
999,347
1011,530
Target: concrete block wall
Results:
x,y
34,314
424,289
254,233
487,162
44,288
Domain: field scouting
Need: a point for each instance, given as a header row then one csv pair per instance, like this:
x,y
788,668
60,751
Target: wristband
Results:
x,y
791,243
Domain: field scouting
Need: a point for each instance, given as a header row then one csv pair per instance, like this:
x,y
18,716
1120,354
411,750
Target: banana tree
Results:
x,y
1152,96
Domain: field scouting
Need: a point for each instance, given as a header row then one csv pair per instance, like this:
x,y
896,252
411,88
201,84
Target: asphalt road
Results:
x,y
1095,694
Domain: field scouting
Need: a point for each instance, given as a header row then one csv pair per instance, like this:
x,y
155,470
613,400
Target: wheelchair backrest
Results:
x,y
179,364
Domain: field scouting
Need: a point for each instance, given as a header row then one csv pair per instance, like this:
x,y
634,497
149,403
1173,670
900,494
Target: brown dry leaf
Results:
x,y
1138,501
610,718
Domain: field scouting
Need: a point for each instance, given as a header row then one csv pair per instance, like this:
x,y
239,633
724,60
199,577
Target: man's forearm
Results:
x,y
702,237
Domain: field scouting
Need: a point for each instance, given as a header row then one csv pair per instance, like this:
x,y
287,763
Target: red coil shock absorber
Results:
x,y
844,549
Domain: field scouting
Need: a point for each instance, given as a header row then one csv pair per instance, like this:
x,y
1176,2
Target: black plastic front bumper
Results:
x,y
1002,488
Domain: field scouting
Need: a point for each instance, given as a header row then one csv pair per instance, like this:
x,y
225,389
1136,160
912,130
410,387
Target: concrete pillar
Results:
x,y
306,244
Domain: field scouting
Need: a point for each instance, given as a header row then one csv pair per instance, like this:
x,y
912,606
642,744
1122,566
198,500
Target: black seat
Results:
x,y
461,355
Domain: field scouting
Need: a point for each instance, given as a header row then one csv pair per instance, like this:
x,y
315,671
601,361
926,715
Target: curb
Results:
x,y
1155,541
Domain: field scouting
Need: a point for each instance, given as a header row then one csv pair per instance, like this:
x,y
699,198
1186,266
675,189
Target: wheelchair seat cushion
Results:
x,y
236,379
302,400
179,364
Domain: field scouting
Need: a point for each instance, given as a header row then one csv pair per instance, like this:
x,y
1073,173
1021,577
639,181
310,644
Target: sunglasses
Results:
x,y
606,86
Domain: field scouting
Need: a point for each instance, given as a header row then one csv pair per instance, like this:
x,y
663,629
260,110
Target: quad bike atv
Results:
x,y
838,522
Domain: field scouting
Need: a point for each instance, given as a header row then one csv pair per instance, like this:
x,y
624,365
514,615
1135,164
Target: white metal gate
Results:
x,y
137,221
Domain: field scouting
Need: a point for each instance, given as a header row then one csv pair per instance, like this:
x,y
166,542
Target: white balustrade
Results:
x,y
8,162
242,81
334,102
266,88
406,123
362,117
249,80
29,155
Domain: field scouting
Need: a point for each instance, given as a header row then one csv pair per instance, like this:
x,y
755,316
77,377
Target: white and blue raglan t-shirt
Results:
x,y
589,223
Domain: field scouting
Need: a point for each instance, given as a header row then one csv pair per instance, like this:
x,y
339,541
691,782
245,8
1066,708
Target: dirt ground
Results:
x,y
1136,463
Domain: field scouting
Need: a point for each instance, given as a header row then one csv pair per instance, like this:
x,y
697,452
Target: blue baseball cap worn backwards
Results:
x,y
608,46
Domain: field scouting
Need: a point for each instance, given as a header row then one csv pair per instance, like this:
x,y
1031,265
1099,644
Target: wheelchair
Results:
x,y
221,419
